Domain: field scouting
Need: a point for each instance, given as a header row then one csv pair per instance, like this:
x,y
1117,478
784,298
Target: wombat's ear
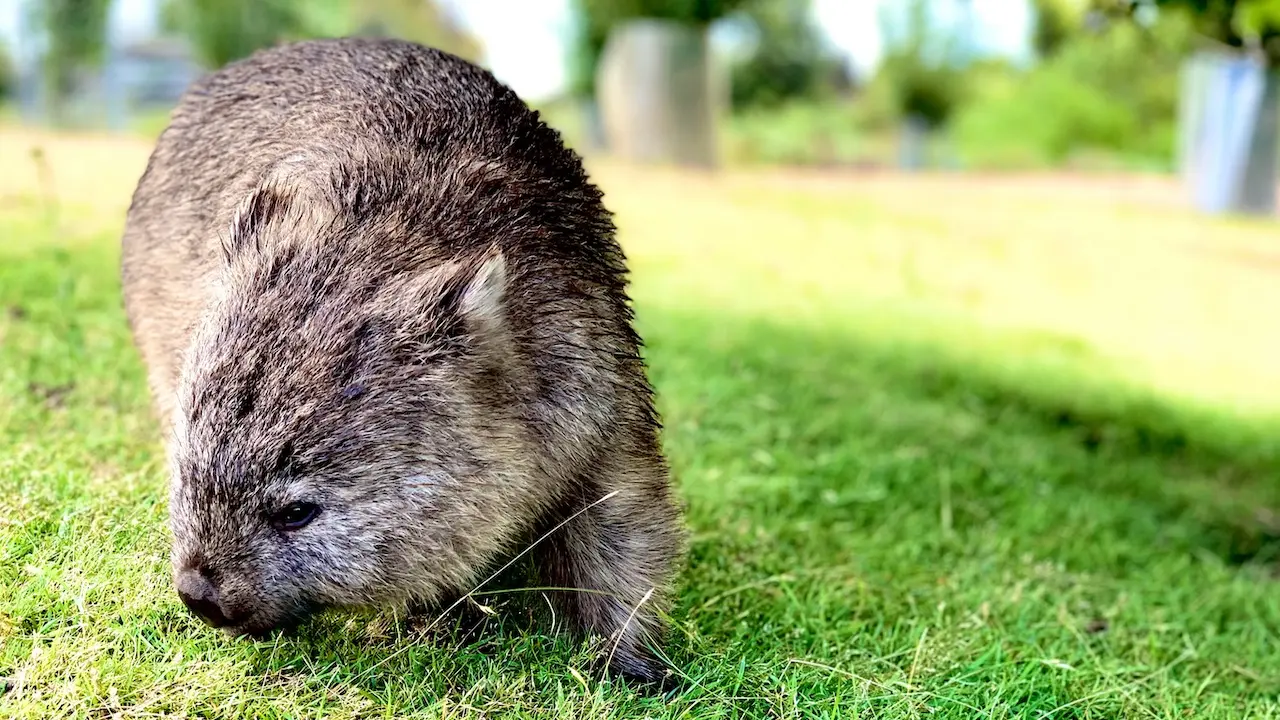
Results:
x,y
476,291
482,300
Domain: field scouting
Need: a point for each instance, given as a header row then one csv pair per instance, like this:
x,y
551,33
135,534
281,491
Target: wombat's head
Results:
x,y
346,428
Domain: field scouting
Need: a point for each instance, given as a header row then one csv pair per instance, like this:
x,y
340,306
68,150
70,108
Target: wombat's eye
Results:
x,y
295,516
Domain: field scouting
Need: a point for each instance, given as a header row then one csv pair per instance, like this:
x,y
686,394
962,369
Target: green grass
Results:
x,y
896,509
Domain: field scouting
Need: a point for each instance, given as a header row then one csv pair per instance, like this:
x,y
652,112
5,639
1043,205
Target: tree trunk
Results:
x,y
659,96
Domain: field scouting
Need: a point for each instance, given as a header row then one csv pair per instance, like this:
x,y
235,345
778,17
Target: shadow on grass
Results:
x,y
841,490
819,391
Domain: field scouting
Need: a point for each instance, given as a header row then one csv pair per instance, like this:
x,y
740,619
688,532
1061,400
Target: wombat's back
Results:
x,y
339,114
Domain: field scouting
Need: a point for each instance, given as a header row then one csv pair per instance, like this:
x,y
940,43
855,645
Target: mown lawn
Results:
x,y
951,447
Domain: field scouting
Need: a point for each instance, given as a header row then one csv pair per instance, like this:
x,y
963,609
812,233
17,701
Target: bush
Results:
x,y
875,110
1115,92
1052,115
797,133
790,61
921,71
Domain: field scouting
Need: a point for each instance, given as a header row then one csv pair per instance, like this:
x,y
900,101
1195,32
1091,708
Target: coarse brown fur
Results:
x,y
364,276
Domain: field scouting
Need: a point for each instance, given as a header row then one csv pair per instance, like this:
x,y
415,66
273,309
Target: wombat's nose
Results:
x,y
201,597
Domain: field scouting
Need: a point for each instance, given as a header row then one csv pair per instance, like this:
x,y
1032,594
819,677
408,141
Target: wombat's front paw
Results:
x,y
642,669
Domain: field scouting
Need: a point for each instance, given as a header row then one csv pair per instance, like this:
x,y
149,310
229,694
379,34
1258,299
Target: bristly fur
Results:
x,y
364,275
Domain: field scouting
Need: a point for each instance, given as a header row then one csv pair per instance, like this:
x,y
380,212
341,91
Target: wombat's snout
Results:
x,y
201,597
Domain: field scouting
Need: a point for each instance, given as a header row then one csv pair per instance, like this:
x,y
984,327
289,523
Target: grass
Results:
x,y
933,468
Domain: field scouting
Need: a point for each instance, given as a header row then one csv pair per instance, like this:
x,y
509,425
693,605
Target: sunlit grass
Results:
x,y
932,467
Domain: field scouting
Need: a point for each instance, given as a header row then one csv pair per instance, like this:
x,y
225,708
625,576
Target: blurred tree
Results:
x,y
921,65
590,33
694,12
594,19
1113,91
1237,23
422,21
75,35
1056,21
227,30
791,59
222,31
8,73
1113,9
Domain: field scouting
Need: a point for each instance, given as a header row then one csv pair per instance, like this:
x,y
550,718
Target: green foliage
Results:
x,y
421,21
791,60
1239,23
607,13
75,35
223,31
1116,91
876,107
590,33
226,30
796,133
1056,22
920,65
1257,18
8,73
1052,115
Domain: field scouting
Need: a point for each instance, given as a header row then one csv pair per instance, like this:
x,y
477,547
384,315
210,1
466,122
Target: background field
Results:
x,y
952,446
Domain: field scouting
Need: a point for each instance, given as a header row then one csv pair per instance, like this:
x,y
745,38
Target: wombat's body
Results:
x,y
385,325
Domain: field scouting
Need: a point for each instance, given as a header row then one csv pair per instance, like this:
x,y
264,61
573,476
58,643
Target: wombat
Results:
x,y
387,333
